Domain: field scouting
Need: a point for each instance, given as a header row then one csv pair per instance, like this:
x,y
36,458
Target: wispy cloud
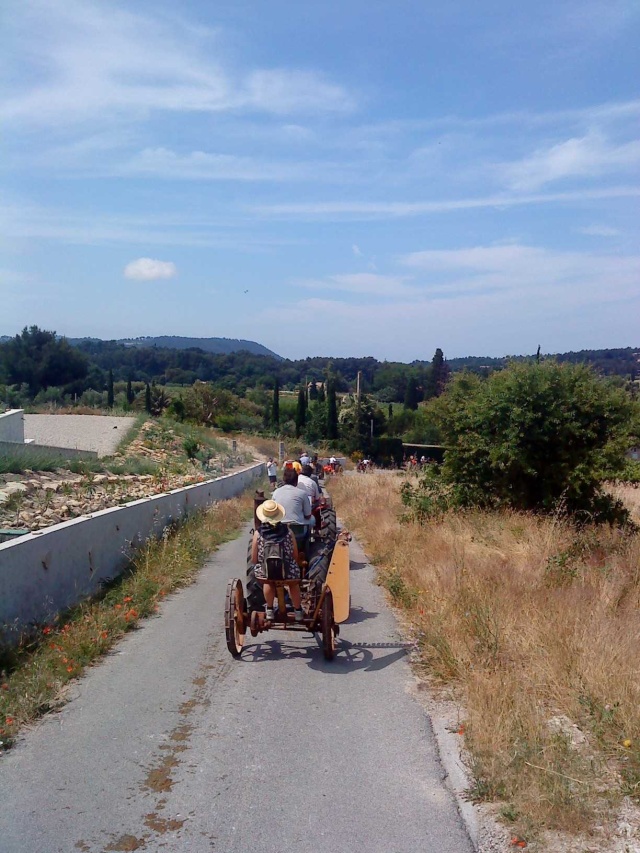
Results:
x,y
363,284
392,209
92,62
599,231
150,269
587,157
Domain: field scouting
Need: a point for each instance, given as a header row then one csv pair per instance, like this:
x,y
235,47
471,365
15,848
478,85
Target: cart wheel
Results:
x,y
328,627
234,626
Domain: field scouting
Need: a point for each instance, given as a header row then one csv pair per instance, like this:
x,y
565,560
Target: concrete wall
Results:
x,y
33,452
47,571
12,426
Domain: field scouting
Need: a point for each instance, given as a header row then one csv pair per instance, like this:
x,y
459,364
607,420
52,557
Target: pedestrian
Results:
x,y
272,471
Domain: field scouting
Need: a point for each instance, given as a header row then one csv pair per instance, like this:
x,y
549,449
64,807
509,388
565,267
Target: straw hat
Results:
x,y
270,512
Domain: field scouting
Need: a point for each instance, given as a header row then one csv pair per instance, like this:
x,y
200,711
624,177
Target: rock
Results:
x,y
50,486
562,725
100,478
4,497
15,488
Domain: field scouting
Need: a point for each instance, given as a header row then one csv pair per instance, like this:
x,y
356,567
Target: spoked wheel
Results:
x,y
328,627
234,625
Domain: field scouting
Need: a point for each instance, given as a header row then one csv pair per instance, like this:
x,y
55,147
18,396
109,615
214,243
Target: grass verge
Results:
x,y
33,676
535,627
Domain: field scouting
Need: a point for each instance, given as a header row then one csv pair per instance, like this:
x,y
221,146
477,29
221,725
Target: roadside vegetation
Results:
x,y
34,675
533,625
517,563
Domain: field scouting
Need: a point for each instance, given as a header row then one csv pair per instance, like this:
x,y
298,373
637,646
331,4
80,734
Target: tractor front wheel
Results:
x,y
234,622
328,627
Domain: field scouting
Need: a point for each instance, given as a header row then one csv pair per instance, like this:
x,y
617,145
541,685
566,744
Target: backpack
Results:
x,y
274,559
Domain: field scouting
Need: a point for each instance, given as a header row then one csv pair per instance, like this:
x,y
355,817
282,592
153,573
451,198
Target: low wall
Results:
x,y
47,571
12,426
33,452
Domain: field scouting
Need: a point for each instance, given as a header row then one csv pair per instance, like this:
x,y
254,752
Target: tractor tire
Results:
x,y
329,524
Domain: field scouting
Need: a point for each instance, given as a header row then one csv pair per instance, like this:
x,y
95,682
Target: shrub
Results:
x,y
534,437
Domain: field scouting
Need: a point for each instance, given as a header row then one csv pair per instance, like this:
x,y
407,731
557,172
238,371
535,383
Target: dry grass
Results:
x,y
32,678
536,627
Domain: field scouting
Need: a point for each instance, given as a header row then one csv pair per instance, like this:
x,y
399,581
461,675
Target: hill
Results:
x,y
218,346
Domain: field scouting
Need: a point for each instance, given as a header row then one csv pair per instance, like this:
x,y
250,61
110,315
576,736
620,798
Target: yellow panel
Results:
x,y
338,581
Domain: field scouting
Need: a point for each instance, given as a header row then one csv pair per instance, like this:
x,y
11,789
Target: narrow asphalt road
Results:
x,y
171,744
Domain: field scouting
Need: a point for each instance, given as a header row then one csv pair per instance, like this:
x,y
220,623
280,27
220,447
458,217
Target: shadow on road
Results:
x,y
354,566
350,657
359,614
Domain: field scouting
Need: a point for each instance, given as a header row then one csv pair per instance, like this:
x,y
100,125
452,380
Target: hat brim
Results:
x,y
270,519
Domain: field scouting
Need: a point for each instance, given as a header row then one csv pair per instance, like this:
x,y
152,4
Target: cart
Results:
x,y
325,603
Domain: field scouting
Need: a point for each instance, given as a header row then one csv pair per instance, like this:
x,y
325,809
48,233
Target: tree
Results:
x,y
321,394
301,412
147,398
130,393
110,394
535,436
313,390
439,376
275,412
411,394
41,359
332,410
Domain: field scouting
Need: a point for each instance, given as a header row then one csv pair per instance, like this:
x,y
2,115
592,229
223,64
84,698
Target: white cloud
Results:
x,y
589,156
89,62
149,269
356,250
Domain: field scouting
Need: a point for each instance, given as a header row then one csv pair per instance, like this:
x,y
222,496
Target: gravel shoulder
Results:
x,y
101,433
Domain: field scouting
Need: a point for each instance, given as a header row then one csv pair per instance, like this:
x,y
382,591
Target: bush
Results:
x,y
534,437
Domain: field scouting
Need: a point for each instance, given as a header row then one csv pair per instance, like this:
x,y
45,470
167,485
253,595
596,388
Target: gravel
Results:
x,y
101,433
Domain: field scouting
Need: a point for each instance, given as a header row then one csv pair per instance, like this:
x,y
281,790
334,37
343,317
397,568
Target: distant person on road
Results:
x,y
305,459
272,471
273,530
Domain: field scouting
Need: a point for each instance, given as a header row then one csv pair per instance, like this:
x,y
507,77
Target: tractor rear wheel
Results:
x,y
234,624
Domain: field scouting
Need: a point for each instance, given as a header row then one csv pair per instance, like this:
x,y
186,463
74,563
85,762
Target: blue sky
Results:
x,y
327,178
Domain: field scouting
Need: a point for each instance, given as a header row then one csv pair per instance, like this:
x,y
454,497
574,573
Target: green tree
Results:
x,y
275,411
110,394
535,436
301,412
147,398
40,359
313,390
438,376
130,393
411,394
332,410
322,394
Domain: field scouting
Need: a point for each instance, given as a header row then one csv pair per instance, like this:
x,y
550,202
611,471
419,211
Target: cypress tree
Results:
x,y
147,398
110,394
390,410
439,373
301,412
275,414
321,394
313,390
130,395
411,394
332,410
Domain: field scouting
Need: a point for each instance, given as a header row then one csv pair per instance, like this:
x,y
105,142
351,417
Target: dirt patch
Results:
x,y
127,843
162,825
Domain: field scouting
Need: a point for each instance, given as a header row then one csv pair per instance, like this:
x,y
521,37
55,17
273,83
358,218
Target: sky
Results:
x,y
338,178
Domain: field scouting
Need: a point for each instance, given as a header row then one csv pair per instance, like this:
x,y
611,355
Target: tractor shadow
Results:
x,y
355,566
349,657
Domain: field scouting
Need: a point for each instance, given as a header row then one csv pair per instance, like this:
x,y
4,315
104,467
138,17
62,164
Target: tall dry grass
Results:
x,y
536,626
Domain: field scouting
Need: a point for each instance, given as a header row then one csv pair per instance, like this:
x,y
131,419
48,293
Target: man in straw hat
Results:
x,y
272,530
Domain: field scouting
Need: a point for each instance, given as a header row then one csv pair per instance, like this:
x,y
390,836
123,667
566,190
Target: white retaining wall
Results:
x,y
47,571
12,426
28,452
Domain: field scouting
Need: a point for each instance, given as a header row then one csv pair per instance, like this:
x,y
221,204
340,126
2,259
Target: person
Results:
x,y
305,458
292,463
272,471
295,501
333,462
272,529
309,485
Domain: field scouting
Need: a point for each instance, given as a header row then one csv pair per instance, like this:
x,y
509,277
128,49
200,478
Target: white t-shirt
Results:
x,y
309,486
272,469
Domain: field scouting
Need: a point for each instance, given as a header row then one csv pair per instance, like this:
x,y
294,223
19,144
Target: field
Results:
x,y
533,627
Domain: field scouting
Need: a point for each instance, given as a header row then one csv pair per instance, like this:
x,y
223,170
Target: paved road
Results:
x,y
102,433
170,744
